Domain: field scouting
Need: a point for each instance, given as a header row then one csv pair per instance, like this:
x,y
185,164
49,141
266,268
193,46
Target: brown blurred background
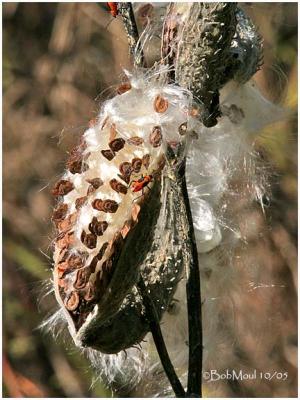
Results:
x,y
60,60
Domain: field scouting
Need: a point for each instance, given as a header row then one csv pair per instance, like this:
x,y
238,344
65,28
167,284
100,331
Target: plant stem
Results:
x,y
130,26
193,293
153,320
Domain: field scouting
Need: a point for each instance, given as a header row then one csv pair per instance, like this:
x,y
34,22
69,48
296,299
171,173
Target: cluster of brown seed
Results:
x,y
77,290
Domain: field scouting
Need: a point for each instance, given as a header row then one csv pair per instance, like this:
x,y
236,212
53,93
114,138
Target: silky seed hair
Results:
x,y
96,204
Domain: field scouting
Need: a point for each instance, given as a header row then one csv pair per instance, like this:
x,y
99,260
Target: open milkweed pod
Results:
x,y
120,214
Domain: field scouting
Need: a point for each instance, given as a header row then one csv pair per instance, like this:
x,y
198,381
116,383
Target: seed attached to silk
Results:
x,y
136,164
108,154
98,227
89,240
118,186
60,213
109,206
116,144
160,104
155,137
72,301
62,188
182,129
80,202
135,140
82,278
124,88
146,160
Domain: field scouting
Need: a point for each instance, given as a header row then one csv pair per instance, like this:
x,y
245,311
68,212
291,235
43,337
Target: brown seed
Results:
x,y
82,278
160,104
102,251
155,137
108,154
89,240
116,144
80,202
72,301
62,269
146,160
95,182
60,213
136,164
65,240
123,88
76,261
98,227
62,283
110,206
126,169
118,186
89,292
62,188
77,166
94,185
135,140
182,129
68,223
113,132
63,255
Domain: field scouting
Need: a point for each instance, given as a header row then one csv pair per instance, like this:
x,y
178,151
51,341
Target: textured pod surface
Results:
x,y
109,202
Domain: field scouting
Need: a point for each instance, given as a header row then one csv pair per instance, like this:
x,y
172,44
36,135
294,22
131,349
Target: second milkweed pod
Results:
x,y
160,104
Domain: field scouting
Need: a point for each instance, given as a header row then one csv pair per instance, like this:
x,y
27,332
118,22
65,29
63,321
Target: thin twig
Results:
x,y
153,320
126,11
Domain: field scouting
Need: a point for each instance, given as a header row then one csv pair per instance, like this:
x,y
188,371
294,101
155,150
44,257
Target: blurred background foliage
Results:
x,y
60,60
